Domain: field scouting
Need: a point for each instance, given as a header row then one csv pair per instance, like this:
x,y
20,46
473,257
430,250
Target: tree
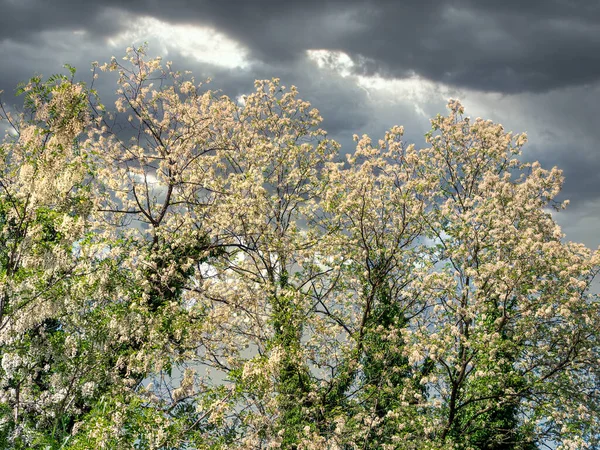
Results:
x,y
511,313
52,339
192,272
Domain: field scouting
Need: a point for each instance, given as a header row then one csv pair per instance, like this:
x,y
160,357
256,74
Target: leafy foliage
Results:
x,y
187,271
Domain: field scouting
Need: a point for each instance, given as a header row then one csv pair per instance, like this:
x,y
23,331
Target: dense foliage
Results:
x,y
188,271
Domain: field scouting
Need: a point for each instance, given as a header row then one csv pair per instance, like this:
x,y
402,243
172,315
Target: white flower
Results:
x,y
10,363
87,389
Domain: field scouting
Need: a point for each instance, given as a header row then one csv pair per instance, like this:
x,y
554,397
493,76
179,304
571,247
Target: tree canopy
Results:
x,y
188,271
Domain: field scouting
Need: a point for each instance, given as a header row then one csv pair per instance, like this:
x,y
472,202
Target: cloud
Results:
x,y
203,44
507,46
561,128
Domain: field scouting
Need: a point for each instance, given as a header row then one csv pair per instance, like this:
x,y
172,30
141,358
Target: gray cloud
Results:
x,y
503,46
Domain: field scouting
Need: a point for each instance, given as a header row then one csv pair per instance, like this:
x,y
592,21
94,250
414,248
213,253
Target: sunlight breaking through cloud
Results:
x,y
201,43
415,90
333,60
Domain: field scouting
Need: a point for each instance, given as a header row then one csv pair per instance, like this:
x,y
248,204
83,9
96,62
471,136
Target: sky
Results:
x,y
532,65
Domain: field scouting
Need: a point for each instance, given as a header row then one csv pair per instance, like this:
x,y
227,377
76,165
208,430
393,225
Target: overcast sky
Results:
x,y
532,65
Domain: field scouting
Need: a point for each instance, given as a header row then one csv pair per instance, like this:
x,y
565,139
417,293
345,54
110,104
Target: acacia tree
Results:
x,y
375,213
511,326
192,272
53,338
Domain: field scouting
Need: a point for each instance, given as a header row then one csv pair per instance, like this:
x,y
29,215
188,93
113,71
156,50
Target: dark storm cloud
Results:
x,y
507,47
504,46
26,20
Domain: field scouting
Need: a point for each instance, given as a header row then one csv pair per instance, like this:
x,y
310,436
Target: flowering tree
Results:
x,y
56,352
187,271
510,325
